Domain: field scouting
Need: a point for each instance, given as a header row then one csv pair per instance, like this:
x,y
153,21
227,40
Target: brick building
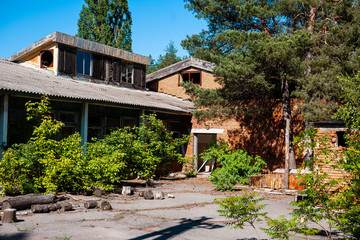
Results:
x,y
263,137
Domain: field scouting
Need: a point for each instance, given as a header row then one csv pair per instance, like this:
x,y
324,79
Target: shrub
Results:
x,y
236,166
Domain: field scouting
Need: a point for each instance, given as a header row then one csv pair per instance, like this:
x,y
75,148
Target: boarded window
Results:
x,y
97,66
116,70
67,60
139,76
83,62
108,75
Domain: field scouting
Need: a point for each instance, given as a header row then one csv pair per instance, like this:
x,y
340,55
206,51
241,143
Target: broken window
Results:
x,y
341,141
83,63
127,72
194,77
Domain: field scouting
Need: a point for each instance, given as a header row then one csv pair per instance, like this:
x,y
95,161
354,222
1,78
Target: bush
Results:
x,y
236,166
45,164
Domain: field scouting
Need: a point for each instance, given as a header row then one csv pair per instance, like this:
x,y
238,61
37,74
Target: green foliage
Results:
x,y
349,198
279,228
168,59
236,166
241,209
45,164
107,22
131,151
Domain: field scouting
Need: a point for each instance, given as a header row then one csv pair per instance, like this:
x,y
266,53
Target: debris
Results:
x,y
158,195
98,192
9,215
25,202
90,204
105,205
126,190
171,195
148,194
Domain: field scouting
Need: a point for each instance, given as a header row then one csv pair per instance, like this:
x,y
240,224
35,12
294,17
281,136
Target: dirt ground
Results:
x,y
191,214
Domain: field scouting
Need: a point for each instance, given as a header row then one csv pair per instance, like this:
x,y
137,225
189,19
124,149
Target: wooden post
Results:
x,y
195,152
9,215
84,123
4,118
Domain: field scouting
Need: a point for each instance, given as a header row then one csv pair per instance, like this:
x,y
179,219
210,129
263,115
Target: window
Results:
x,y
83,62
127,72
341,141
194,77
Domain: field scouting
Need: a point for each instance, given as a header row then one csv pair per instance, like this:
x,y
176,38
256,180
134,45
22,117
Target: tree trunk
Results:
x,y
25,202
9,215
289,150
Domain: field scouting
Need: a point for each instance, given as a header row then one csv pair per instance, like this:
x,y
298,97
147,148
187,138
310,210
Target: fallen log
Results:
x,y
67,206
148,195
105,205
40,208
90,204
9,215
25,202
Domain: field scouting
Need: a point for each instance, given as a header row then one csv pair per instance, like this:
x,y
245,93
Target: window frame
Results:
x,y
83,62
181,79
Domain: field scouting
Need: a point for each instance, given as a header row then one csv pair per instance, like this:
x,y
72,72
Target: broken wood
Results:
x,y
40,208
90,204
25,202
105,206
148,194
126,190
67,206
98,192
9,215
158,195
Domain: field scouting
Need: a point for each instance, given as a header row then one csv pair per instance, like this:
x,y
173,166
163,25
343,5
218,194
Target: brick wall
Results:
x,y
263,136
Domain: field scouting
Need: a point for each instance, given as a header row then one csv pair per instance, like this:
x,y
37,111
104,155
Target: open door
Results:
x,y
203,140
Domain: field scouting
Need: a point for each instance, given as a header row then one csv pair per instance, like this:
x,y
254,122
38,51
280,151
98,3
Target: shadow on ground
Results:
x,y
185,225
15,236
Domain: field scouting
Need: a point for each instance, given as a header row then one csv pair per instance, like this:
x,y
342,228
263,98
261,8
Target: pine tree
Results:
x,y
168,59
267,50
107,22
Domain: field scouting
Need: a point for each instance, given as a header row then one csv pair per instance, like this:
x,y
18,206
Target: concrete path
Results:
x,y
192,214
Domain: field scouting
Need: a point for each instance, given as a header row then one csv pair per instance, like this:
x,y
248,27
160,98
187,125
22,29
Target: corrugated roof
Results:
x,y
179,66
80,43
18,78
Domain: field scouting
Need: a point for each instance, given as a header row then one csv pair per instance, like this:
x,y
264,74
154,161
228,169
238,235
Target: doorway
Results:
x,y
203,140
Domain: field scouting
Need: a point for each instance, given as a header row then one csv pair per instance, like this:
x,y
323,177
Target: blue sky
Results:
x,y
155,23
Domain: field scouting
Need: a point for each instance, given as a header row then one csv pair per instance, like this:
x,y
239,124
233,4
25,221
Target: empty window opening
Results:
x,y
194,77
46,59
341,141
83,62
127,72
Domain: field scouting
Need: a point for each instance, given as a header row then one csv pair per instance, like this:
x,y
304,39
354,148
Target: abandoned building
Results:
x,y
93,89
262,136
96,88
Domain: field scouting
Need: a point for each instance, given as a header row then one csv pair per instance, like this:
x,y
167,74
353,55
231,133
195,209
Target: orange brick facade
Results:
x,y
263,136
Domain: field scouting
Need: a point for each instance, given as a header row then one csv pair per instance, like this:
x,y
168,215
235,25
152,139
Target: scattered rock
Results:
x,y
171,195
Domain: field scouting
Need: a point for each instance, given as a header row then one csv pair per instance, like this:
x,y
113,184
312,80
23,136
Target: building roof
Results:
x,y
179,66
15,78
58,37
